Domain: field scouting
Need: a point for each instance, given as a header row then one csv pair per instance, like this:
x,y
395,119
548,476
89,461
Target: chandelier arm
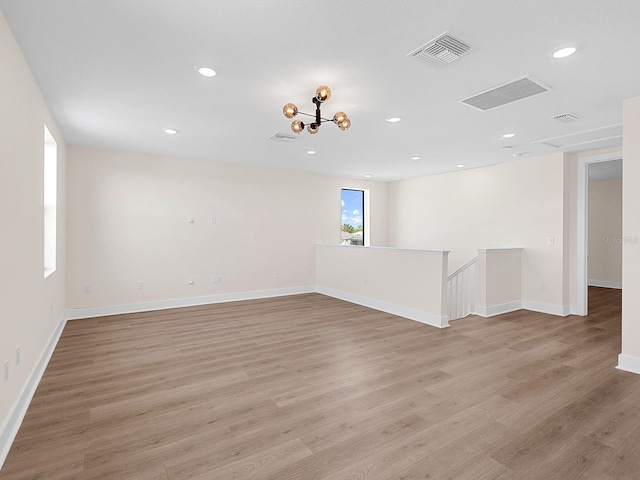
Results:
x,y
321,118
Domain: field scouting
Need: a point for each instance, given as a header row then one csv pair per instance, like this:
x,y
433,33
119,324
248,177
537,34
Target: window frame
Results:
x,y
366,224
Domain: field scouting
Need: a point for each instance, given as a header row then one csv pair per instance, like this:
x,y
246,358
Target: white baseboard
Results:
x,y
559,310
498,309
12,423
604,283
410,313
78,313
628,363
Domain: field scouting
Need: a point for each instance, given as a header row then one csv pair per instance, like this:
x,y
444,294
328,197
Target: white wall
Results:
x,y
516,204
32,306
630,357
605,233
128,221
408,283
499,281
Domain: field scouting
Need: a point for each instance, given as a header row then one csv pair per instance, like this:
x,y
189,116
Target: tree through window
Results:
x,y
353,216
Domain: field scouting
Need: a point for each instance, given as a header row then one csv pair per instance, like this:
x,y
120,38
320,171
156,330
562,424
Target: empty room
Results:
x,y
320,240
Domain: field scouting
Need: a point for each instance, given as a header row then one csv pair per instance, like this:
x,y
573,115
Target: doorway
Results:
x,y
601,167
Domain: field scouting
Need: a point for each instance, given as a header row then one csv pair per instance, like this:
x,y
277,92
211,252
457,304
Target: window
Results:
x,y
50,198
355,217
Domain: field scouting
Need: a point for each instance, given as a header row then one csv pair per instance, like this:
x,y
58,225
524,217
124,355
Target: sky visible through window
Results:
x,y
352,208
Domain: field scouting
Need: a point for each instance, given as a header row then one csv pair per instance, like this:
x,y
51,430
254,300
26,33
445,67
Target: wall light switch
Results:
x,y
214,220
87,289
551,241
192,220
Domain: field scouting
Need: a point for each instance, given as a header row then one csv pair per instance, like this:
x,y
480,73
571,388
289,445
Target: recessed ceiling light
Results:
x,y
508,135
393,119
415,158
563,51
206,72
170,131
311,152
460,165
367,175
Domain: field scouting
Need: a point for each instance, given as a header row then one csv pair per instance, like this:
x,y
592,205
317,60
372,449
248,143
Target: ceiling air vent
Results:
x,y
504,94
566,118
441,50
282,137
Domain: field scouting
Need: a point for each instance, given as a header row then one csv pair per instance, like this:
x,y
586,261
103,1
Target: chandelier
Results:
x,y
323,93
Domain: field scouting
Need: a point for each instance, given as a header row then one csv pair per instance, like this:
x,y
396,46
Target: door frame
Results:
x,y
582,247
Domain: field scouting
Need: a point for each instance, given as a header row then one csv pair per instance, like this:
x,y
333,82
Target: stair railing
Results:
x,y
462,288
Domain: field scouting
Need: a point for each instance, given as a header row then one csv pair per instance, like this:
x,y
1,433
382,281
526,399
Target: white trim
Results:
x,y
491,250
582,226
498,309
604,284
78,313
628,363
359,247
410,313
12,423
558,310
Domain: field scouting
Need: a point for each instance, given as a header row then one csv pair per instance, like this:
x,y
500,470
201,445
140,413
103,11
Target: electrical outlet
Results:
x,y
6,371
277,275
543,286
191,281
140,285
87,289
17,356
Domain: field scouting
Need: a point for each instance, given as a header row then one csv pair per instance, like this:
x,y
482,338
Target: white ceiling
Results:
x,y
116,72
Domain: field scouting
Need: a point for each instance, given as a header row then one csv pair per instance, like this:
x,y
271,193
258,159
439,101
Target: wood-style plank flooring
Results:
x,y
312,388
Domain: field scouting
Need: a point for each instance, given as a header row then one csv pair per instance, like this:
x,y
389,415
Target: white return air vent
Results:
x,y
441,50
283,137
565,118
505,94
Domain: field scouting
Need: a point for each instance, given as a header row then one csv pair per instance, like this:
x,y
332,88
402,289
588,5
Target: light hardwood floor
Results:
x,y
312,388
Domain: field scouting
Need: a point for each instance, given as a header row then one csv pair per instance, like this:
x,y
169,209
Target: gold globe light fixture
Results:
x,y
323,93
290,110
297,126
